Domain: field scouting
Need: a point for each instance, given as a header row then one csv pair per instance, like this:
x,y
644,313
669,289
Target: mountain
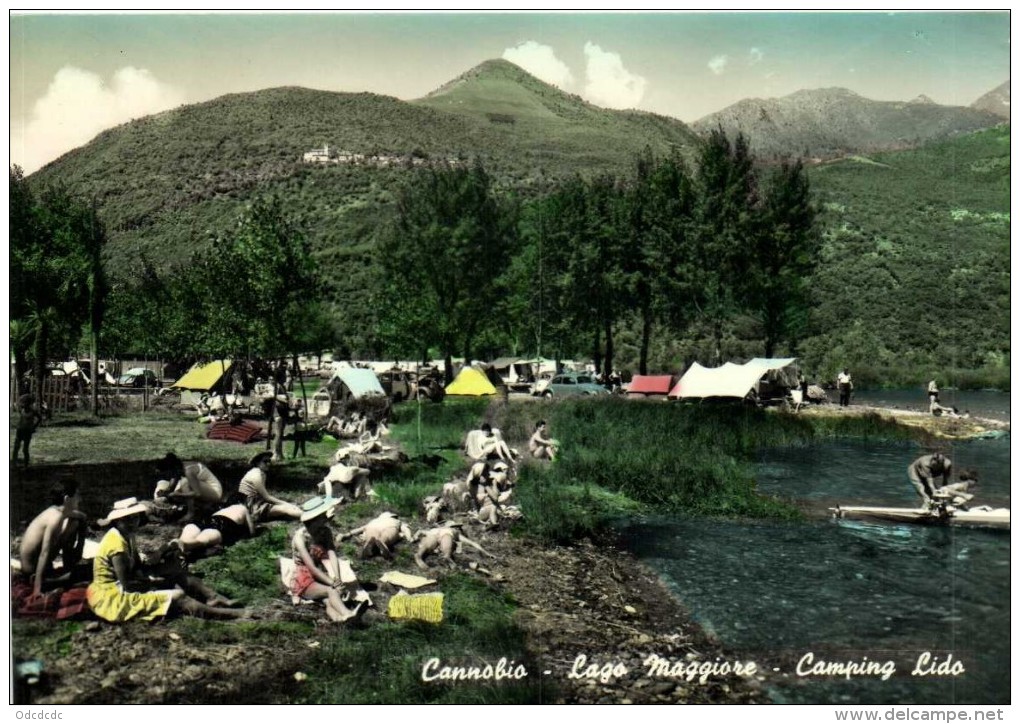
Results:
x,y
163,180
834,122
552,124
995,101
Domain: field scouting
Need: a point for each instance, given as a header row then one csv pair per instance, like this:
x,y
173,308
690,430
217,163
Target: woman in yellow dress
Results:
x,y
110,595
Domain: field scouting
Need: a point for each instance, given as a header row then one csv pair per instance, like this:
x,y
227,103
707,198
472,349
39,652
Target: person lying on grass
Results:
x,y
58,531
259,502
446,540
223,528
118,589
380,535
317,574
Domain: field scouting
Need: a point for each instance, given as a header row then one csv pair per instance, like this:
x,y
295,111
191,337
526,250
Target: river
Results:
x,y
851,591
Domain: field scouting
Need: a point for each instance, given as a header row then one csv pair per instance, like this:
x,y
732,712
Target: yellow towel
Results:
x,y
419,607
405,580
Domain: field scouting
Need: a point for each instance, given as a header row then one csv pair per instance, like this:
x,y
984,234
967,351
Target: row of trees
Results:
x,y
467,270
464,269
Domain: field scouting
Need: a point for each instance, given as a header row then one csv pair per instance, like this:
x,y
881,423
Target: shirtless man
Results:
x,y
57,531
380,535
924,470
446,540
541,446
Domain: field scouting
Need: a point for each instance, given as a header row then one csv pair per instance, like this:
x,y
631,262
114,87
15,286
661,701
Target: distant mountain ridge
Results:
x,y
832,122
995,101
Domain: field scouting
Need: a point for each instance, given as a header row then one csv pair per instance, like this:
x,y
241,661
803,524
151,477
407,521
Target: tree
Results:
x,y
442,261
785,254
725,220
57,282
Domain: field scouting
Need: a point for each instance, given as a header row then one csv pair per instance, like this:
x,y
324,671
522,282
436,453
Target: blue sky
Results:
x,y
73,76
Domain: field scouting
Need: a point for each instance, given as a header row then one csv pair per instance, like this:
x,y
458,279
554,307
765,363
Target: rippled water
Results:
x,y
982,403
848,590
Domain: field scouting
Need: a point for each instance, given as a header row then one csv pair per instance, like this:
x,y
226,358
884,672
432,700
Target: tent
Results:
x,y
514,371
203,379
471,382
735,381
355,383
649,385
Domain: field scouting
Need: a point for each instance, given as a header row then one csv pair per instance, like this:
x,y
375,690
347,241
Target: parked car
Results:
x,y
573,383
397,384
138,377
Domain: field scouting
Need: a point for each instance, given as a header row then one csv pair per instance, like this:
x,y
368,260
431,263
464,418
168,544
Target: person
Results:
x,y
223,528
938,410
113,594
802,383
317,569
845,384
933,392
380,535
191,481
57,531
29,419
925,470
487,444
445,539
542,447
257,499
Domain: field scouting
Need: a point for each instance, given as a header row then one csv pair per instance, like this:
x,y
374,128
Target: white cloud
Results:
x,y
78,105
755,56
718,64
541,61
608,83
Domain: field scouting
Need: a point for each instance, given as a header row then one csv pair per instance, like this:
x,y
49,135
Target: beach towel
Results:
x,y
243,432
426,607
405,580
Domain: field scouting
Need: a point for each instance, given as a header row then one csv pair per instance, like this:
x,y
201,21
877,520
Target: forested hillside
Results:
x,y
913,271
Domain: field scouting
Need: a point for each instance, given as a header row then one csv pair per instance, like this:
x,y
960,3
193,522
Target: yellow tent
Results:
x,y
472,382
204,377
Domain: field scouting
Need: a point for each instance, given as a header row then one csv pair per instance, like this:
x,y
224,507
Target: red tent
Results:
x,y
647,385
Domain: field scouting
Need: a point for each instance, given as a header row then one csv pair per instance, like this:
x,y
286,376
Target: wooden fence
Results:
x,y
55,394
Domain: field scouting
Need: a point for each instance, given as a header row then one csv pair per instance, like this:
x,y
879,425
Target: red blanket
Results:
x,y
61,605
243,432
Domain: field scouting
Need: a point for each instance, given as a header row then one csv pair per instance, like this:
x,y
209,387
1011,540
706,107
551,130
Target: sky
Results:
x,y
73,76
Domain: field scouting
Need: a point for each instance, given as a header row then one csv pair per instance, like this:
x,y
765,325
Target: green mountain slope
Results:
x,y
915,268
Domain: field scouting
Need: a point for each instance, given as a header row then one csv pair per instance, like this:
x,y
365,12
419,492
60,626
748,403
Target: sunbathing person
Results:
x,y
57,531
938,410
446,540
117,592
317,574
380,535
487,444
542,447
257,499
224,527
346,479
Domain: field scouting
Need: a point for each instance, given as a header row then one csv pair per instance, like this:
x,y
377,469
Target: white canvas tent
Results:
x,y
731,380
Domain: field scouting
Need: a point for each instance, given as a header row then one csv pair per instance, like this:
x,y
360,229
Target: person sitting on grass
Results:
x,y
317,568
57,531
542,447
257,499
487,444
223,528
190,482
117,592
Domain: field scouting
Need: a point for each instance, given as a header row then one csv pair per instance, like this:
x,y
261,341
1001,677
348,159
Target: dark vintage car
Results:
x,y
138,377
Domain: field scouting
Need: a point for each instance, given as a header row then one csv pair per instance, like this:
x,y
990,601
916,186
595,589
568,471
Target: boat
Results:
x,y
979,517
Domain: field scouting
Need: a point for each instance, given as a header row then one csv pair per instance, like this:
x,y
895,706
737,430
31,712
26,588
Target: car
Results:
x,y
573,383
397,384
138,377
